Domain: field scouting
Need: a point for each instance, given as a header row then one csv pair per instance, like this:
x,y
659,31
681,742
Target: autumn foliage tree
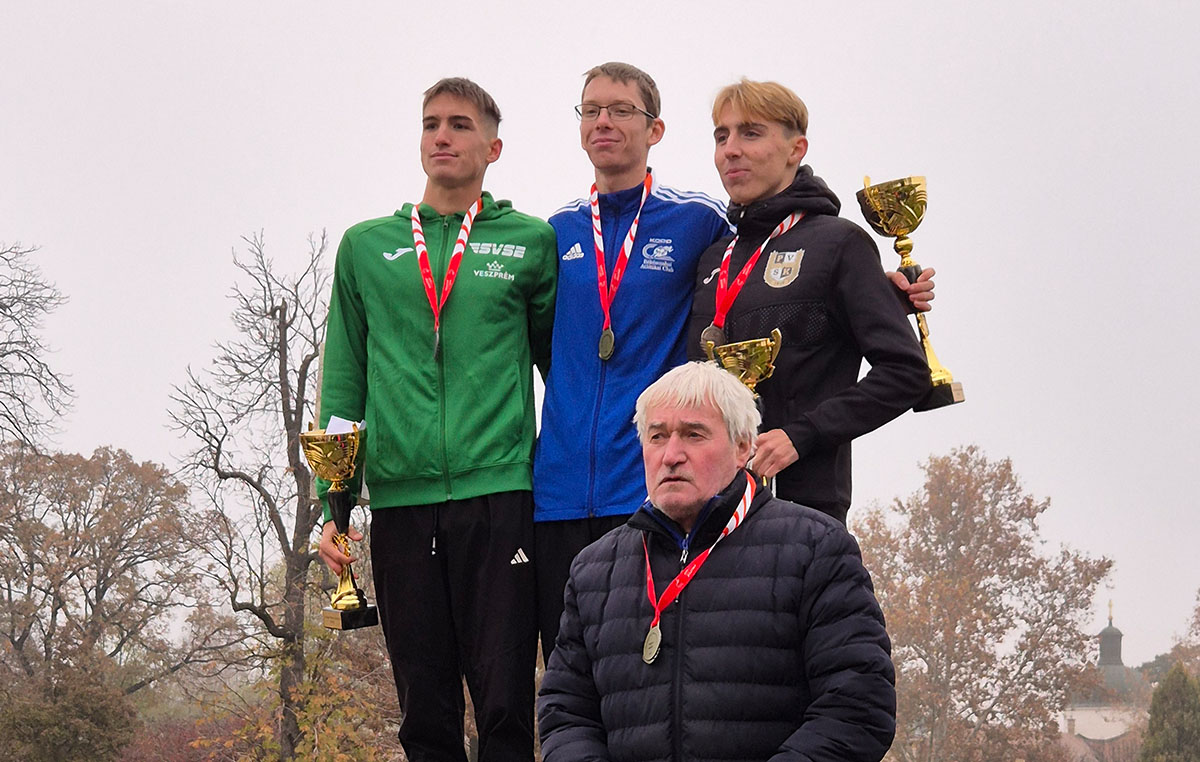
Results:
x,y
988,630
1187,650
94,578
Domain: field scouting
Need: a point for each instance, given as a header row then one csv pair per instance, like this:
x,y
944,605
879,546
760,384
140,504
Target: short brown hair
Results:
x,y
623,72
464,88
770,101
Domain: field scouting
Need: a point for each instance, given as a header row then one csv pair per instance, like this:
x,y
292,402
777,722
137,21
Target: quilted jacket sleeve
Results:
x,y
569,719
848,663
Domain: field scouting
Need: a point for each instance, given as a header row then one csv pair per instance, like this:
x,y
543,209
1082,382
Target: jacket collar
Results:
x,y
626,200
807,193
491,209
712,519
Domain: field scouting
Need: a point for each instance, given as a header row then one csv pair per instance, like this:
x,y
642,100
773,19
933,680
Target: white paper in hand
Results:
x,y
338,425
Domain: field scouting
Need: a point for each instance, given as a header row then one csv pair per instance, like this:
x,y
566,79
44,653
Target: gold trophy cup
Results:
x,y
751,361
332,458
895,209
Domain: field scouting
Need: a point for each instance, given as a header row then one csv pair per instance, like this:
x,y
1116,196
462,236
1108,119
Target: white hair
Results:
x,y
703,383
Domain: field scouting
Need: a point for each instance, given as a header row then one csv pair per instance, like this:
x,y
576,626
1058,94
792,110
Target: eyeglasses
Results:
x,y
618,112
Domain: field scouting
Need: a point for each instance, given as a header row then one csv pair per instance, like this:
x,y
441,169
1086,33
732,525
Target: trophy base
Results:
x,y
941,396
336,619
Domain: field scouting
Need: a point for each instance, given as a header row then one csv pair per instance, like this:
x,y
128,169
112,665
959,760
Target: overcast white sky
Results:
x,y
140,140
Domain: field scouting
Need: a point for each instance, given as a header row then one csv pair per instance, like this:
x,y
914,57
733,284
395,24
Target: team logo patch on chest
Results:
x,y
498,249
656,255
782,267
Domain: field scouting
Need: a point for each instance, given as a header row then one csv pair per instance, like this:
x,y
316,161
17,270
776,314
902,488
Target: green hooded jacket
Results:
x,y
462,424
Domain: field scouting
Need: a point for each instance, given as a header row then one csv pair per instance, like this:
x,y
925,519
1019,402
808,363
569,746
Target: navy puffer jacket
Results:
x,y
776,650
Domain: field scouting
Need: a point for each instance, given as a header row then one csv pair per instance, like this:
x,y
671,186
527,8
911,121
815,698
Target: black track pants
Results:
x,y
455,586
556,544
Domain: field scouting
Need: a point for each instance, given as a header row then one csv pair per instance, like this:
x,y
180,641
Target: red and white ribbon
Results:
x,y
464,232
726,294
609,290
684,578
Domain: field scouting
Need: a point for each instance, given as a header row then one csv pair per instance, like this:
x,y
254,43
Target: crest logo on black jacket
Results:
x,y
782,267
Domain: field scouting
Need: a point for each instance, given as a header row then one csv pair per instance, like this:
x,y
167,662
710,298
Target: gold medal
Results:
x,y
652,644
711,334
607,342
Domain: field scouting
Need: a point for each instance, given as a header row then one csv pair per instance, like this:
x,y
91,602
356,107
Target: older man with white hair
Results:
x,y
719,623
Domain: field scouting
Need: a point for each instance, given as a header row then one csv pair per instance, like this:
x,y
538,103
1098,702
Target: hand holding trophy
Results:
x,y
895,209
331,457
750,362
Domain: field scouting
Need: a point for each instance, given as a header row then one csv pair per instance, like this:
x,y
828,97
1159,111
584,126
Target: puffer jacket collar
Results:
x,y
713,517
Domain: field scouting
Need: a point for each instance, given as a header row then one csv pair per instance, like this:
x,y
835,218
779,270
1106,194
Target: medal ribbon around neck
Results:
x,y
608,290
726,294
684,578
460,246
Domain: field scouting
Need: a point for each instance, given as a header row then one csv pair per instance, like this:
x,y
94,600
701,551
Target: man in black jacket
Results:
x,y
795,265
764,639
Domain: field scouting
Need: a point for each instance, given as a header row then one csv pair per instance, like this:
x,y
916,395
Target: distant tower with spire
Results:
x,y
1101,724
1110,643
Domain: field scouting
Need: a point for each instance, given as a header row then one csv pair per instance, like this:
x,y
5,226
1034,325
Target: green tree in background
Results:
x,y
1173,734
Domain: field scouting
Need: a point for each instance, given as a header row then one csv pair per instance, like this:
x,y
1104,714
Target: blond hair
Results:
x,y
768,101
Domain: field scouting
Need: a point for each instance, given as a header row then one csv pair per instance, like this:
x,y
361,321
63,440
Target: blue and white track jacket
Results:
x,y
588,461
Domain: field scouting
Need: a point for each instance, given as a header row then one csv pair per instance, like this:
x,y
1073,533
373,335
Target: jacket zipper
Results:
x,y
442,375
677,682
591,504
608,247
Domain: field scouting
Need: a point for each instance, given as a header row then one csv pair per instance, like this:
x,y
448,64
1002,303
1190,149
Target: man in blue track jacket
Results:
x,y
587,466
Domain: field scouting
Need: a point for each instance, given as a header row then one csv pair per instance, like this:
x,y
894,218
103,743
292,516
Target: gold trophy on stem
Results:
x,y
332,458
895,209
751,361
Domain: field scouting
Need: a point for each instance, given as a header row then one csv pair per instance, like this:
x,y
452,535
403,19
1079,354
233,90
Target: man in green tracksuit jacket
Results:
x,y
435,322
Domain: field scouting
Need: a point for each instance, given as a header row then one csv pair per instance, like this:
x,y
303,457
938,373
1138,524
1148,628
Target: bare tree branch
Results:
x,y
244,415
32,394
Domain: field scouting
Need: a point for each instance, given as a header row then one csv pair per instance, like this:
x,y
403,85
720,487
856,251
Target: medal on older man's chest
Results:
x,y
652,644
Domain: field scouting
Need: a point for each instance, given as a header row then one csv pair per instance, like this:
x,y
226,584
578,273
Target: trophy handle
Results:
x,y
776,344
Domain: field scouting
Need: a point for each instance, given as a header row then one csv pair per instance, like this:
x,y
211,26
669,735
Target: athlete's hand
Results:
x,y
920,294
775,452
334,558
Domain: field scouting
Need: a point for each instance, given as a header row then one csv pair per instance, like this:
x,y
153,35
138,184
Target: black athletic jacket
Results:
x,y
822,285
776,650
